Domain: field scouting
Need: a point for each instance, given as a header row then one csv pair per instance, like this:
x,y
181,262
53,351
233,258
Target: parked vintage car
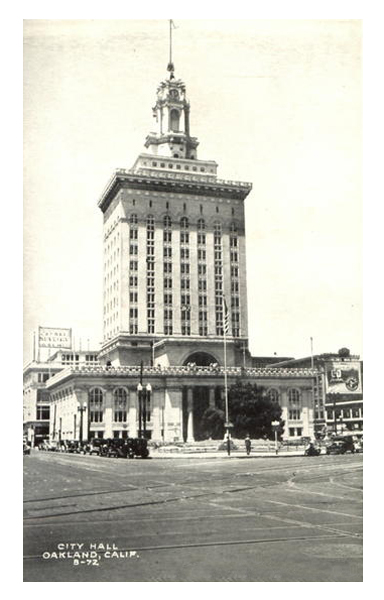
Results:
x,y
341,446
312,450
26,449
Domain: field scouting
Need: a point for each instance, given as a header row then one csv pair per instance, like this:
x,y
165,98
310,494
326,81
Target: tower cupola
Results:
x,y
172,136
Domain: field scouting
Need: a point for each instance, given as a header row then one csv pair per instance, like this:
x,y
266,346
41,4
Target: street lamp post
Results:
x,y
144,398
81,410
139,395
275,425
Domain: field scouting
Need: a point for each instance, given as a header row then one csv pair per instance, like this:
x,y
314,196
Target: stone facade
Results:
x,y
178,397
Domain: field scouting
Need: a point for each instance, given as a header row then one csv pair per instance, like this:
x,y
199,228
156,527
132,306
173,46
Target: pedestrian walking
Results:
x,y
248,445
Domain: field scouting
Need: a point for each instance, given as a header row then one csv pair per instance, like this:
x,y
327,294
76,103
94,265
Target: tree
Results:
x,y
212,423
252,411
344,352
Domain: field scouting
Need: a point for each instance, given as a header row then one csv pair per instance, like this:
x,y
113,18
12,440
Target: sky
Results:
x,y
274,102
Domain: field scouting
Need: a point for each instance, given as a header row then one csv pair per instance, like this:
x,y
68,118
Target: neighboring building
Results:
x,y
337,391
36,398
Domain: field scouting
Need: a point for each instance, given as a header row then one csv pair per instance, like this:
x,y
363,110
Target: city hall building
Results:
x,y
174,247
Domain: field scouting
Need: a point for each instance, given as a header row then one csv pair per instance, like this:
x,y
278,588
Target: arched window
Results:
x,y
120,402
273,395
184,223
96,405
133,218
167,221
174,119
294,405
201,224
233,227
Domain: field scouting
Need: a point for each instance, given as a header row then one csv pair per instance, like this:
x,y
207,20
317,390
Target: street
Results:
x,y
274,519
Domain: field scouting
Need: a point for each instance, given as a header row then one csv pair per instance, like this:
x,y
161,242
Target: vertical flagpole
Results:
x,y
225,320
34,346
313,385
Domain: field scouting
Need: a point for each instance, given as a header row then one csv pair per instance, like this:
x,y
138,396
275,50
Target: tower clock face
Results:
x,y
174,94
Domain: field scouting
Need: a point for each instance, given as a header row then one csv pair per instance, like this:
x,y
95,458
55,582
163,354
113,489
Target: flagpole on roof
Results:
x,y
225,331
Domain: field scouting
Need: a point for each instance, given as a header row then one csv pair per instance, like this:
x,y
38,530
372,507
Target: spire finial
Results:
x,y
171,66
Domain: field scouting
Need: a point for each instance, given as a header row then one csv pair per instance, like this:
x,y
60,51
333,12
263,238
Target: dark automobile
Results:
x,y
73,447
138,447
341,447
26,450
312,450
95,446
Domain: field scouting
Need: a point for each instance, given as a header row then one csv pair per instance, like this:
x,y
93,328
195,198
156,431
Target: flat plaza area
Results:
x,y
210,519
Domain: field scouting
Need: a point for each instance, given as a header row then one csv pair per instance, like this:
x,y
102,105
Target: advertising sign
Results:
x,y
344,377
55,337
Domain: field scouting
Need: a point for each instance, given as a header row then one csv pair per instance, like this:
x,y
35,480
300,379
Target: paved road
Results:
x,y
219,519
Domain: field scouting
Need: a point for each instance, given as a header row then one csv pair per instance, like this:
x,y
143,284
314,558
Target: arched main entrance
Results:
x,y
196,401
200,359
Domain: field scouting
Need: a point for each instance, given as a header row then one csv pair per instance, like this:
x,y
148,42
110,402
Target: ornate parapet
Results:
x,y
179,372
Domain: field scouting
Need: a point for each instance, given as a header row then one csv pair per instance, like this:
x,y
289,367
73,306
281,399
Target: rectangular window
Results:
x,y
96,416
294,415
120,416
42,413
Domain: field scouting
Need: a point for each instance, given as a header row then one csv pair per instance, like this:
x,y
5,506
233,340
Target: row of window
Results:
x,y
120,405
184,223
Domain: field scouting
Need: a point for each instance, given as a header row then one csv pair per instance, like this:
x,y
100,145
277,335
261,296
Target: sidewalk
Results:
x,y
223,455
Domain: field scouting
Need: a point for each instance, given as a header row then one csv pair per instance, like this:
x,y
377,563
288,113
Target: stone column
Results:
x,y
132,413
108,410
283,391
157,399
308,412
190,435
211,397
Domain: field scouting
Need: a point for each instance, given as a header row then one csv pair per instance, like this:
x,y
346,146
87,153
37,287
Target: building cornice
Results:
x,y
172,182
196,372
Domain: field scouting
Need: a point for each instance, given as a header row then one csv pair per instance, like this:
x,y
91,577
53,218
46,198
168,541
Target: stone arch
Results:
x,y
200,359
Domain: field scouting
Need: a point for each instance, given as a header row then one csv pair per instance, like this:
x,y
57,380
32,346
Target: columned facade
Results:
x,y
179,399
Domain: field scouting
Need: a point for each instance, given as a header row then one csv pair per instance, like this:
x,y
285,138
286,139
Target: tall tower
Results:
x,y
174,245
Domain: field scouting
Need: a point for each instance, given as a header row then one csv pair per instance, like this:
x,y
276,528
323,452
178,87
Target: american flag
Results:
x,y
226,316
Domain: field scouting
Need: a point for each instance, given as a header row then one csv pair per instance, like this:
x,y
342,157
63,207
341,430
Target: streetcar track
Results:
x,y
192,482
